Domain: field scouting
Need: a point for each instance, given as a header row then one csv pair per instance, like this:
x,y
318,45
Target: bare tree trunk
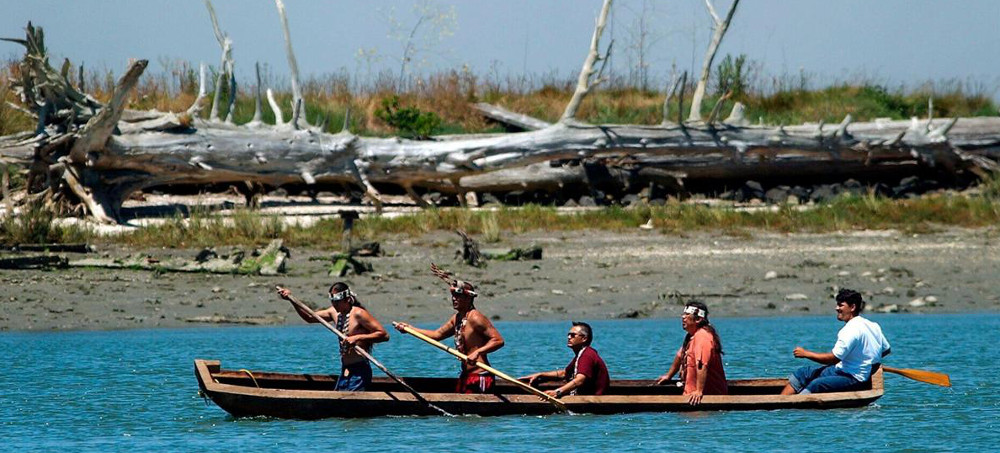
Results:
x,y
720,26
584,83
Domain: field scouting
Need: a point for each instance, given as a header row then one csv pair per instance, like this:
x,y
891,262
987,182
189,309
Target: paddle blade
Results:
x,y
929,377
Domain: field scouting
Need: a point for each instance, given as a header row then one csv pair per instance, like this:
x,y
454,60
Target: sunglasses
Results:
x,y
574,335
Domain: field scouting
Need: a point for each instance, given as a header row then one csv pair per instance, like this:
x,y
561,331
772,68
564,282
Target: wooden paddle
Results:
x,y
365,354
545,396
929,377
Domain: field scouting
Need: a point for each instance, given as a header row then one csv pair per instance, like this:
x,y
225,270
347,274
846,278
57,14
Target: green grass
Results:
x,y
926,214
33,225
781,99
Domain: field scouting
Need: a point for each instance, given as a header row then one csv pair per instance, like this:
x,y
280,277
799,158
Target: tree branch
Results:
x,y
297,101
720,28
583,84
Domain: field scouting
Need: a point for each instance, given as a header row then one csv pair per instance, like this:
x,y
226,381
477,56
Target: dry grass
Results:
x,y
846,213
782,99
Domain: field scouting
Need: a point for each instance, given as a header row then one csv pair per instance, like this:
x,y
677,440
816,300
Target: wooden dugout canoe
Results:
x,y
311,396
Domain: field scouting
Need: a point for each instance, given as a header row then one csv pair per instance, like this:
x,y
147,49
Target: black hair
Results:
x,y
586,330
704,324
853,298
340,287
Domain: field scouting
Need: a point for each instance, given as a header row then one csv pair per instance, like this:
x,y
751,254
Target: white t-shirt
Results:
x,y
860,344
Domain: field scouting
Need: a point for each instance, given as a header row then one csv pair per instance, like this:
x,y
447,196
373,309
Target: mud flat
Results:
x,y
584,275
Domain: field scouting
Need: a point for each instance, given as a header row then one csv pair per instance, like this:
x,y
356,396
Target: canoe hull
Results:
x,y
301,396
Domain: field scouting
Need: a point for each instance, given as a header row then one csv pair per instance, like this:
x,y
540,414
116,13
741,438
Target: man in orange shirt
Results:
x,y
699,359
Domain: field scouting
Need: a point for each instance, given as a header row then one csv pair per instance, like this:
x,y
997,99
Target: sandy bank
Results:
x,y
584,275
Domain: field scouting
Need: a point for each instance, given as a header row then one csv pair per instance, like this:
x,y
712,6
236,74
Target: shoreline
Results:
x,y
583,275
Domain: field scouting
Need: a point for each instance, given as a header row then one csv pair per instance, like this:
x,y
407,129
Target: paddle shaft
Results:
x,y
366,355
551,399
928,377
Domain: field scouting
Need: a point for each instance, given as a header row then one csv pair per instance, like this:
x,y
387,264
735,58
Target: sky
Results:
x,y
891,42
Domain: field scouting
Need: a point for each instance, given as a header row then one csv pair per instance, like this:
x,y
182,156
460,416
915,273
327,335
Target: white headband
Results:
x,y
692,310
341,295
459,288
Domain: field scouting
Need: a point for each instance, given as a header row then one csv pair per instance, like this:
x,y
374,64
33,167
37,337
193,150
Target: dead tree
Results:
x,y
95,155
719,28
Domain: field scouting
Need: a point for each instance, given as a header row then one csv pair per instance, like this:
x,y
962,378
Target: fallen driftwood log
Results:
x,y
512,121
344,264
92,156
248,320
514,254
52,248
270,261
33,262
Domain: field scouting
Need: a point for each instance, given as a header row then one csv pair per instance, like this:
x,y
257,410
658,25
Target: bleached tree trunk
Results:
x,y
100,168
298,104
584,82
719,31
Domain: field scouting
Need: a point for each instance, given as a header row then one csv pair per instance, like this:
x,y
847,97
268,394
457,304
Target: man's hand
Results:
x,y
801,352
531,378
695,398
351,340
400,326
285,293
662,380
472,357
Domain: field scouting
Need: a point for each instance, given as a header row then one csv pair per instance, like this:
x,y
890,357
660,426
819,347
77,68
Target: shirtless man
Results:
x,y
361,328
474,335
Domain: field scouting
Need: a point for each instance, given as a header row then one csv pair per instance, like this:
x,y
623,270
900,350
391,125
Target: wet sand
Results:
x,y
585,275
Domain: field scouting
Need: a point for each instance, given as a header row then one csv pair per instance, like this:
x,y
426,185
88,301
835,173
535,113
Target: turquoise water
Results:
x,y
135,390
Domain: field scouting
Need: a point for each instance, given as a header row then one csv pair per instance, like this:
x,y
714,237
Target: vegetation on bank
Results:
x,y
440,103
848,212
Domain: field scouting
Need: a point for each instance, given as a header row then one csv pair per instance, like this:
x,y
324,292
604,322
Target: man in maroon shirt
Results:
x,y
586,374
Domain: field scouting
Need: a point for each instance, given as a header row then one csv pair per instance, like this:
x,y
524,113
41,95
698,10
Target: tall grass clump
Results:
x,y
490,227
990,187
203,229
33,224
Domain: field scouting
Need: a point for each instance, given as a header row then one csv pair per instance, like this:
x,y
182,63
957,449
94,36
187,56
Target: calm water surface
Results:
x,y
135,390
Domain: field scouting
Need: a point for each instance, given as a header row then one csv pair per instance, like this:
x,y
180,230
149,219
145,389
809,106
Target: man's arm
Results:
x,y
446,329
674,367
326,314
700,376
577,381
825,358
484,327
543,376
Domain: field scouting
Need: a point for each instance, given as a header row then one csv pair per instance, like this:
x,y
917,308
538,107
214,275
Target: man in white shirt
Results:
x,y
860,346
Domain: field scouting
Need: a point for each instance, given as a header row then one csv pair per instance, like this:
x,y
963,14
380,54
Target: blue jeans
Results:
x,y
354,377
822,379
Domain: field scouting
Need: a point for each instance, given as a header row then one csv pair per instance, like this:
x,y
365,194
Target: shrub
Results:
x,y
410,121
732,74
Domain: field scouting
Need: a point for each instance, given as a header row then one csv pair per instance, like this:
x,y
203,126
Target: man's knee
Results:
x,y
802,377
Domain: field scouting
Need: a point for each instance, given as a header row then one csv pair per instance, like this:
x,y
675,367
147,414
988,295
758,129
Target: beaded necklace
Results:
x,y
459,326
342,325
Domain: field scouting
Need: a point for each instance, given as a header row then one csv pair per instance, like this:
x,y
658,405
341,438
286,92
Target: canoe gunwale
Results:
x,y
243,400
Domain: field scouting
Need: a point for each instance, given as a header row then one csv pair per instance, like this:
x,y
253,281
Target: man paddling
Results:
x,y
699,359
586,374
474,335
860,346
361,328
